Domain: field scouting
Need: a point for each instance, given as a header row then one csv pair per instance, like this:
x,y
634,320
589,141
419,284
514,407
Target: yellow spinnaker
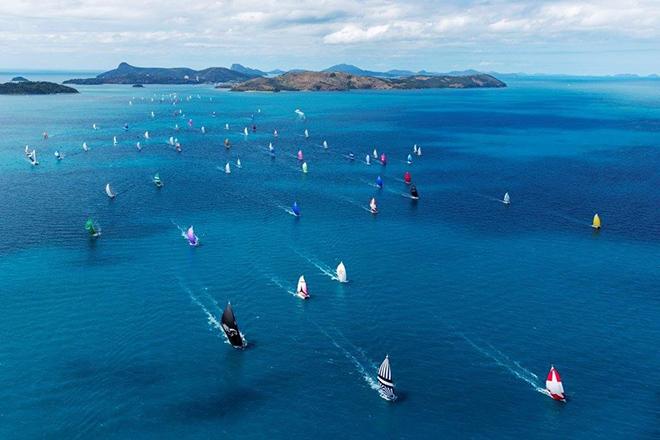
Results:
x,y
596,222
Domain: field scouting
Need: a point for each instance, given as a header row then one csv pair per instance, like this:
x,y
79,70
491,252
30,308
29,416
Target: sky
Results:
x,y
533,36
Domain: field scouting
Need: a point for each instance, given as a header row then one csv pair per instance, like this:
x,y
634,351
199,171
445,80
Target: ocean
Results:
x,y
118,337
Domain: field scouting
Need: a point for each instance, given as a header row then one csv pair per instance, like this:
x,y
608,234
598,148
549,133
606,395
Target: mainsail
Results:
x,y
238,163
375,153
227,168
325,144
409,159
230,327
109,192
385,380
554,386
304,167
367,159
507,199
341,272
306,133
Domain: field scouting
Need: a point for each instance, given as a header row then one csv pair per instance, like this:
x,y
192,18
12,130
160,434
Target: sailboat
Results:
x,y
275,134
177,146
230,327
157,181
245,131
33,158
153,115
295,209
146,135
304,167
419,151
171,140
226,126
238,163
306,133
58,155
373,207
300,155
375,153
325,144
126,126
95,127
91,228
407,178
506,200
203,130
385,380
415,148
114,140
176,127
409,159
596,223
379,182
413,192
108,191
227,168
383,159
367,159
553,385
271,149
85,147
27,150
191,237
301,289
227,144
138,146
341,273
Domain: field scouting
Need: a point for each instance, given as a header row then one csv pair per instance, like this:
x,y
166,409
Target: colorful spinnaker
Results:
x,y
383,159
295,209
554,386
596,222
91,228
379,182
407,178
300,155
191,237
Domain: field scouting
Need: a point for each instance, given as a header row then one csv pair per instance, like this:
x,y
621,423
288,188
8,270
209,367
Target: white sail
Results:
x,y
419,151
373,206
138,145
507,199
306,133
203,129
275,133
341,272
375,153
245,131
226,126
238,163
108,191
227,168
367,159
95,127
114,140
270,147
153,114
304,167
146,134
302,285
171,141
325,144
415,148
85,147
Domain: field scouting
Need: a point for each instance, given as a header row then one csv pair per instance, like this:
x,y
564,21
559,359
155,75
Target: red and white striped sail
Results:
x,y
554,386
373,206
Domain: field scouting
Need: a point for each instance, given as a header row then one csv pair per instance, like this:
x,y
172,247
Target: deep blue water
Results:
x,y
472,300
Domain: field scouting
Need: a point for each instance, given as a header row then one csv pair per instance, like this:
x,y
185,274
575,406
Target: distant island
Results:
x,y
20,79
340,81
34,88
127,74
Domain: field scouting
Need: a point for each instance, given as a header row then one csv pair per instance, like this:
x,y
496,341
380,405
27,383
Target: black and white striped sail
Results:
x,y
230,327
385,380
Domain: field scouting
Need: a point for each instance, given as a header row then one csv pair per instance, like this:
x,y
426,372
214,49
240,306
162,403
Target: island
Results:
x,y
21,79
341,81
127,74
139,86
34,88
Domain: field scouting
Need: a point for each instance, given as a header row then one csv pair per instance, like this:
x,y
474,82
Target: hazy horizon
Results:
x,y
601,37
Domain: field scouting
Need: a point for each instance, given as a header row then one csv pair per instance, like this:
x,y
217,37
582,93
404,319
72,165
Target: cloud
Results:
x,y
355,34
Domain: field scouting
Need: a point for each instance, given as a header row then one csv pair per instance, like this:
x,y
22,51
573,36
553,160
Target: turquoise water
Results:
x,y
472,300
